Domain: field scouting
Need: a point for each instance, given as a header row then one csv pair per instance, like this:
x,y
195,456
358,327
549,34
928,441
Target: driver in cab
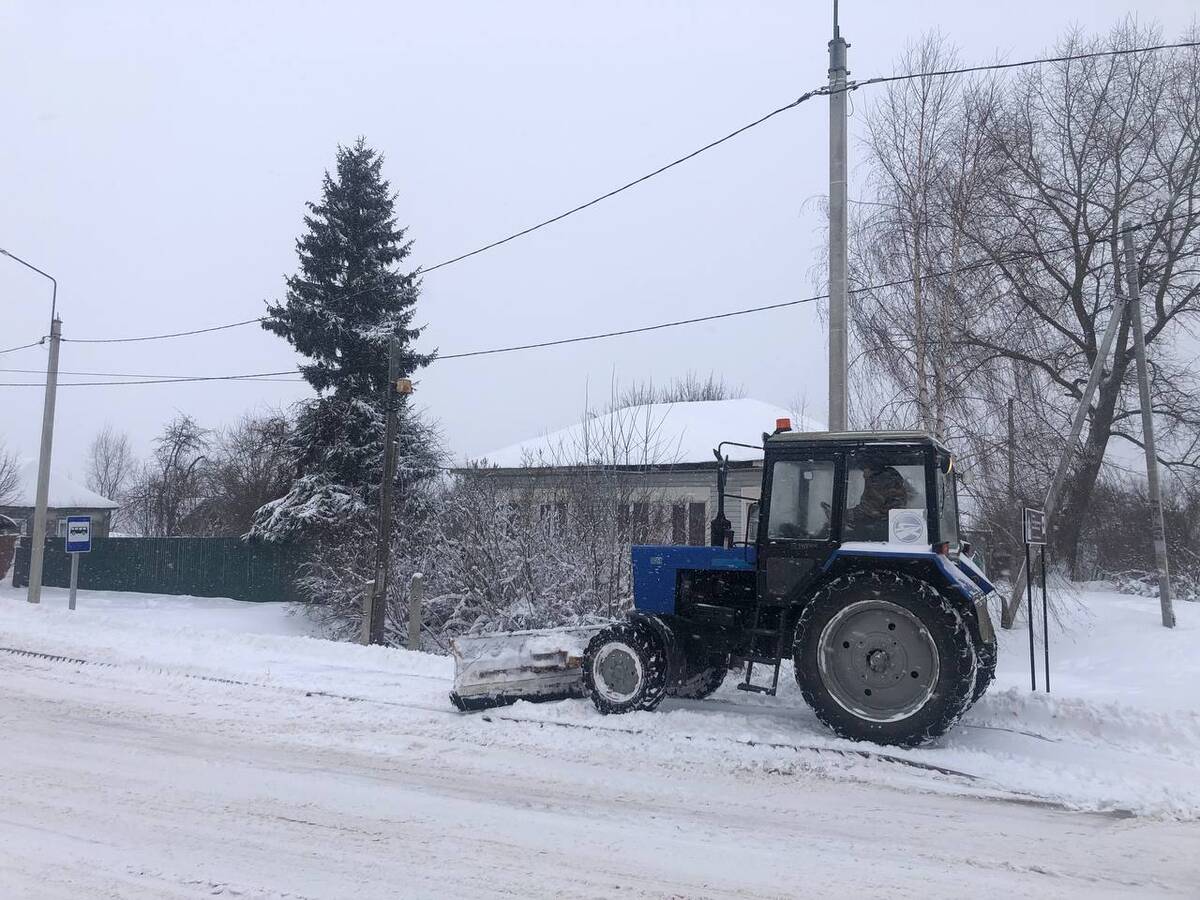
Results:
x,y
884,489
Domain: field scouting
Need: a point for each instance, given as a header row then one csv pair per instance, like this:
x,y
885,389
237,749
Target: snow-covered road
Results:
x,y
140,774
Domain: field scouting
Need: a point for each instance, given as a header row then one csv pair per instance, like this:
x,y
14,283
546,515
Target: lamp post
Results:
x,y
38,546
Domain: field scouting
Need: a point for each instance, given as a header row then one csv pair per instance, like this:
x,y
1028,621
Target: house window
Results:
x,y
641,522
553,516
697,524
622,521
60,528
679,524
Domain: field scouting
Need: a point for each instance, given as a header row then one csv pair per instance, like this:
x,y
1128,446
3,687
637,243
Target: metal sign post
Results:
x,y
1034,522
79,540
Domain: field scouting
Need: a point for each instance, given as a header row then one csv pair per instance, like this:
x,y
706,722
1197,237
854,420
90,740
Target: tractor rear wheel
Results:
x,y
884,657
625,669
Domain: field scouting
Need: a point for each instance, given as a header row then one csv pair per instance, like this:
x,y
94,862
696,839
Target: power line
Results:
x,y
140,374
170,379
279,376
36,343
159,337
821,91
808,95
1073,57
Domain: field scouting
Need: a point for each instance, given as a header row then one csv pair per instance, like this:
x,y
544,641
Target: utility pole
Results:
x,y
838,348
397,387
38,547
1133,280
1009,614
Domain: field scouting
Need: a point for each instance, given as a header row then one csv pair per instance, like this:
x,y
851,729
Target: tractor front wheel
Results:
x,y
884,657
625,669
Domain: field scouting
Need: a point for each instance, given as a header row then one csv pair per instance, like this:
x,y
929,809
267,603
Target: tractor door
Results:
x,y
796,525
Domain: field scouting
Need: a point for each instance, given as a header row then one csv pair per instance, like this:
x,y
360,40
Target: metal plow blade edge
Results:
x,y
498,669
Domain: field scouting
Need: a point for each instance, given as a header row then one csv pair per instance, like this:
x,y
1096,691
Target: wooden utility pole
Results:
x,y
397,388
1133,279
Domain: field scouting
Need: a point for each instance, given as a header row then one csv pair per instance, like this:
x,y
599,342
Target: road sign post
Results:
x,y
79,540
1034,527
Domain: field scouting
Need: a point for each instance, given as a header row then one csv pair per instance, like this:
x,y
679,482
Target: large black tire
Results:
x,y
699,684
883,656
625,668
985,669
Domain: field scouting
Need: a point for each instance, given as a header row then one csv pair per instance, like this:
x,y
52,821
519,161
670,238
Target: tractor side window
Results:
x,y
801,500
947,502
876,484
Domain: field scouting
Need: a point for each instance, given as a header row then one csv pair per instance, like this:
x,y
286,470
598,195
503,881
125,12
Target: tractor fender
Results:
x,y
675,663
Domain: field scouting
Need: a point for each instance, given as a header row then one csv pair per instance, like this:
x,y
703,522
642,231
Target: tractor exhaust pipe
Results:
x,y
722,528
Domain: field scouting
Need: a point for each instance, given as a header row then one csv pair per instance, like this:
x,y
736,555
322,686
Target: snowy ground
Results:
x,y
201,747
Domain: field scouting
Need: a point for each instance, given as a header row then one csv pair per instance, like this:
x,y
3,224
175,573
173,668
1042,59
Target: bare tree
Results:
x,y
111,467
169,486
1025,199
247,465
9,476
689,388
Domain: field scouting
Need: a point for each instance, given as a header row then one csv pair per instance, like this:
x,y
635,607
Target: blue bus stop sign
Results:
x,y
79,534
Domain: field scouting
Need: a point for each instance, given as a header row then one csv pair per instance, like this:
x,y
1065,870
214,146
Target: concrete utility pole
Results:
x,y
838,349
1133,279
1009,614
38,547
396,388
37,551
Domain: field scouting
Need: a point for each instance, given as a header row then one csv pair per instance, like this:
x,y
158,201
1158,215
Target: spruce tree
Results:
x,y
341,311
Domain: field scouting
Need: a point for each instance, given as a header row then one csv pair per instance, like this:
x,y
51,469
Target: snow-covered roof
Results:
x,y
655,434
64,493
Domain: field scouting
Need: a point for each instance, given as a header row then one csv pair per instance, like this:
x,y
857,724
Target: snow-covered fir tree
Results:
x,y
341,311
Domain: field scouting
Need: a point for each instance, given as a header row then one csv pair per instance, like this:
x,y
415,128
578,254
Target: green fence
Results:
x,y
201,567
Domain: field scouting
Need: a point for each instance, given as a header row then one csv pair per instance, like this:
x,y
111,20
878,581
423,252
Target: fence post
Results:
x,y
416,591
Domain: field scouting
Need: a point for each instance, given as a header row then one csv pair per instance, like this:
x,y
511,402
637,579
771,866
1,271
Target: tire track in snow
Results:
x,y
1007,794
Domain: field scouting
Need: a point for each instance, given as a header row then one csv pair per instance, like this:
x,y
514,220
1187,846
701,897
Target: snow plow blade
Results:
x,y
499,669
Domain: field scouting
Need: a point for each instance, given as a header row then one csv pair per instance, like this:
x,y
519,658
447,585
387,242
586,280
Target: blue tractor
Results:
x,y
853,571
855,574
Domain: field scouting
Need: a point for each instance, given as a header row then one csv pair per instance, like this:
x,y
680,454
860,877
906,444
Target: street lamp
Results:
x,y
28,265
38,547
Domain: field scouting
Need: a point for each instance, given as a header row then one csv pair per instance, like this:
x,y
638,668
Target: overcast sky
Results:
x,y
156,158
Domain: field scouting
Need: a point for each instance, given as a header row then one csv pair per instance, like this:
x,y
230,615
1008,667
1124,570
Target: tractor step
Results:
x,y
762,660
760,631
756,688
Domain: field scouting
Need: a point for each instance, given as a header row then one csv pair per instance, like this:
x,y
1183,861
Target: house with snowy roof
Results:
x,y
66,498
663,453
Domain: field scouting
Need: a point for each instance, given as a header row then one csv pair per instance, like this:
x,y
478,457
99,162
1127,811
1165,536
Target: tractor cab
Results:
x,y
830,496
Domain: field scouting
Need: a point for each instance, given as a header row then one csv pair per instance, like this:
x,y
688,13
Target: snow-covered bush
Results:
x,y
1185,583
